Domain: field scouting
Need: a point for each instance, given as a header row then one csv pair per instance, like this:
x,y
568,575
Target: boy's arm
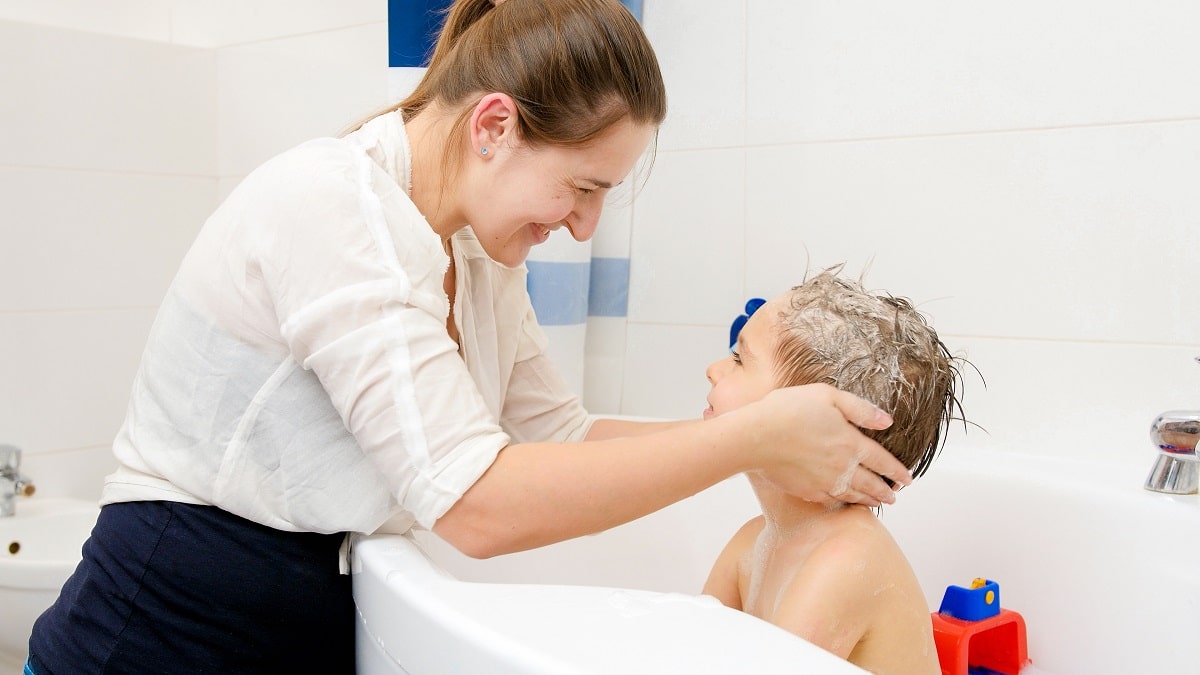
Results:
x,y
723,580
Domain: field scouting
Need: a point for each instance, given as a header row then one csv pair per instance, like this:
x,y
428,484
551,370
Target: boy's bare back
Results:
x,y
834,578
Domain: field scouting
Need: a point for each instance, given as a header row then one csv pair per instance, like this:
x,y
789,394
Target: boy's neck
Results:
x,y
784,511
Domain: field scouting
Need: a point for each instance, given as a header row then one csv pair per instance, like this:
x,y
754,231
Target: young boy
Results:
x,y
835,577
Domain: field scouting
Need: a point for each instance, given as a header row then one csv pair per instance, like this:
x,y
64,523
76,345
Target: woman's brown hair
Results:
x,y
573,68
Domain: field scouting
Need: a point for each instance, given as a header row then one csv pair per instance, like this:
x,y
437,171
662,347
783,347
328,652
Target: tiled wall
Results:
x,y
121,128
106,172
1024,172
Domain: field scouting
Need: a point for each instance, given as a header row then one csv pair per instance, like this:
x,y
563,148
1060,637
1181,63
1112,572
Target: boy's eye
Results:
x,y
737,358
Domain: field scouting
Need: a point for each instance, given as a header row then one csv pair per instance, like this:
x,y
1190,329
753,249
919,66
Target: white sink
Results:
x,y
39,548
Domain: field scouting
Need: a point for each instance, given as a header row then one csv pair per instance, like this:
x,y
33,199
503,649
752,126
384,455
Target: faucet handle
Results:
x,y
1176,433
10,458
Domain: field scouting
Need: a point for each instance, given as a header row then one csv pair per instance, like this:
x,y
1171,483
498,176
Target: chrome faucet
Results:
x,y
1176,471
12,483
1175,433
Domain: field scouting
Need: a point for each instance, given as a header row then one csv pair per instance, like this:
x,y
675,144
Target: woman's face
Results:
x,y
533,191
748,373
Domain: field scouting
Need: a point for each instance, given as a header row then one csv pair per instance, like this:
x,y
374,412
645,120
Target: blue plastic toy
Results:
x,y
752,306
975,636
980,601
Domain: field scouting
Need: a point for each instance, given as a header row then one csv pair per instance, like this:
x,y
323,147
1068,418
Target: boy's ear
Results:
x,y
493,124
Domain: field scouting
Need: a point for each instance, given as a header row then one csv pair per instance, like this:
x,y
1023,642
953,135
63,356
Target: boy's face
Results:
x,y
748,373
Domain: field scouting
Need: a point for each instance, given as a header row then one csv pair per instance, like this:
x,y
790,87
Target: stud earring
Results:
x,y
483,151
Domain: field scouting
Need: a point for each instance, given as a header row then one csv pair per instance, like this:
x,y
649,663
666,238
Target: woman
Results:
x,y
341,353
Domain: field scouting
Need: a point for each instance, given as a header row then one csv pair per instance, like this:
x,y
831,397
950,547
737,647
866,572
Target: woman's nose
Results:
x,y
586,218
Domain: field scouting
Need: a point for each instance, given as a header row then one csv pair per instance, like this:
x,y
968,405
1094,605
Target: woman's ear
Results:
x,y
493,124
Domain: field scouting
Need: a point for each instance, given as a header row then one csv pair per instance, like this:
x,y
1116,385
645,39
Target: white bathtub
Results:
x,y
1105,574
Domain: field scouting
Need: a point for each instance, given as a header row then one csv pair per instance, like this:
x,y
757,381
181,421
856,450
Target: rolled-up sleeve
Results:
x,y
355,279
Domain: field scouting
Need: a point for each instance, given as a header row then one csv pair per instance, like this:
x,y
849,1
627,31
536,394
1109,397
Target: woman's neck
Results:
x,y
437,201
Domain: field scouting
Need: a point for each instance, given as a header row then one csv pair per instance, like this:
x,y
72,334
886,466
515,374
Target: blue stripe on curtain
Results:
x,y
634,7
567,293
608,292
559,291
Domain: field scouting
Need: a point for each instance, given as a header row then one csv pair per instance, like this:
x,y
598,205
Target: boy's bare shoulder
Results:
x,y
854,545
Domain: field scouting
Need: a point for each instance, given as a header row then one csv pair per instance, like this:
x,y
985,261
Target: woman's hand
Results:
x,y
810,446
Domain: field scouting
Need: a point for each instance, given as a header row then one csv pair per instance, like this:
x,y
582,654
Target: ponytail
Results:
x,y
573,67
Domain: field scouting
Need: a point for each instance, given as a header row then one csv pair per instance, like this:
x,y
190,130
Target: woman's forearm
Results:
x,y
540,493
609,427
804,439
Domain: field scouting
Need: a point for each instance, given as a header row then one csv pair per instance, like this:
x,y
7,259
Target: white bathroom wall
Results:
x,y
106,171
121,125
1024,171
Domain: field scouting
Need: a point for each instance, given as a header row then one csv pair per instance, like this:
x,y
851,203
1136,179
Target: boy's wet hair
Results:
x,y
876,346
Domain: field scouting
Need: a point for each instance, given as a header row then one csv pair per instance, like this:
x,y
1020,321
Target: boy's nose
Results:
x,y
714,370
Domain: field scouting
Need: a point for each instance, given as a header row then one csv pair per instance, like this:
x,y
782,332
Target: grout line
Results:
x,y
289,36
948,134
77,310
985,132
63,451
972,336
120,172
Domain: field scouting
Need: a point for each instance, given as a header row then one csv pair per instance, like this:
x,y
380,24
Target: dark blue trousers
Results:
x,y
165,587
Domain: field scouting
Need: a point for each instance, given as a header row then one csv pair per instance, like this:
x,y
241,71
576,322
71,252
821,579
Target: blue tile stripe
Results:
x,y
566,293
413,26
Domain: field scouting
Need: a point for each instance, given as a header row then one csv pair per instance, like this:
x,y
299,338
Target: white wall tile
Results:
x,y
225,185
686,263
67,375
279,93
701,49
1077,234
77,472
824,69
85,239
87,101
217,23
401,81
141,19
664,369
1091,401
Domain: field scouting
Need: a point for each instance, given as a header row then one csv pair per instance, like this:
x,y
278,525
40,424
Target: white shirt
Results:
x,y
299,373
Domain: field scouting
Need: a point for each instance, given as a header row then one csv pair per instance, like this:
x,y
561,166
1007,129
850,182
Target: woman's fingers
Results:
x,y
828,459
883,463
876,458
860,412
872,488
